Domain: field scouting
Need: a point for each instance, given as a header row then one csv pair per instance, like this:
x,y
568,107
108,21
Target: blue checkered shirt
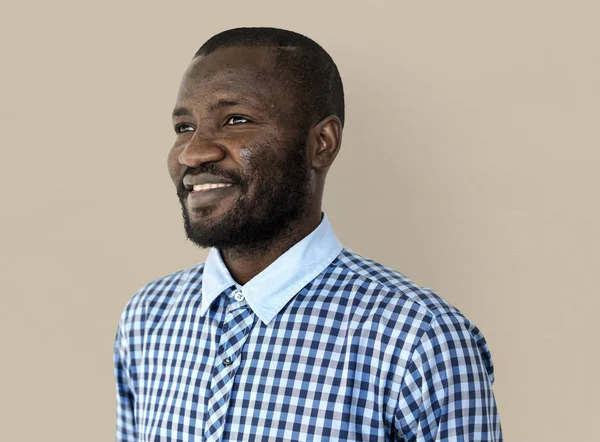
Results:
x,y
322,345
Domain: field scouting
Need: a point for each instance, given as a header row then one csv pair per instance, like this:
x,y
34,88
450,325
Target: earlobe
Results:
x,y
328,140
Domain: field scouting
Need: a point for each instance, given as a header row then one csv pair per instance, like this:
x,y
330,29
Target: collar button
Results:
x,y
238,295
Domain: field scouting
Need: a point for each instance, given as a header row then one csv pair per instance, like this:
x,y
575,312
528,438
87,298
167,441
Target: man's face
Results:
x,y
235,129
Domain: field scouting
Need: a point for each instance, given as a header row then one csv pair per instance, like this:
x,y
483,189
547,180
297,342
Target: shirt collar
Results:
x,y
269,291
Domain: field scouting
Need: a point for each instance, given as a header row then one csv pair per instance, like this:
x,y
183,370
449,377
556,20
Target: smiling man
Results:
x,y
283,334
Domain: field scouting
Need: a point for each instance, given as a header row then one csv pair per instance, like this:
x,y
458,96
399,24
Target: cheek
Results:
x,y
257,156
249,155
173,164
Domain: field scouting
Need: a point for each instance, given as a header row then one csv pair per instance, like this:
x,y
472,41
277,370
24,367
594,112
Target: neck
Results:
x,y
245,262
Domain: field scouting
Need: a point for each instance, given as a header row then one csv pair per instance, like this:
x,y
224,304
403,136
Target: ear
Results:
x,y
324,142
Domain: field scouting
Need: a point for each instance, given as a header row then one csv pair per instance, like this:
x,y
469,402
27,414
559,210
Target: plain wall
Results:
x,y
469,163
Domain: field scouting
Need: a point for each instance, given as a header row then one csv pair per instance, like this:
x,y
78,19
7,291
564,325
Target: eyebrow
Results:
x,y
225,102
220,104
181,112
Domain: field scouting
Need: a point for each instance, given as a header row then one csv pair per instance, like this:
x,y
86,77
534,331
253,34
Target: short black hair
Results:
x,y
307,67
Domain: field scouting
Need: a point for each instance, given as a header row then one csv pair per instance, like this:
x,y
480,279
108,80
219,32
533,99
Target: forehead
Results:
x,y
237,72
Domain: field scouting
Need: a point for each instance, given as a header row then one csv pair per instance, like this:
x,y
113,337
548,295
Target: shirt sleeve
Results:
x,y
126,429
446,393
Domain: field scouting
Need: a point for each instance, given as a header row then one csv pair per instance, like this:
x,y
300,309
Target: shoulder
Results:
x,y
386,279
432,318
152,300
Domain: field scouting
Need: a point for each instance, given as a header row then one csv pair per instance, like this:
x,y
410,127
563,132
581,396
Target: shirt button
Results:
x,y
227,361
238,295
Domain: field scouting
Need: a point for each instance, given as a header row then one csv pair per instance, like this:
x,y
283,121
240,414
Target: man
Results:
x,y
283,334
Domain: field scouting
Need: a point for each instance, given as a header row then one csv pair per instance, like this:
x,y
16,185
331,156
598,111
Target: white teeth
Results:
x,y
210,186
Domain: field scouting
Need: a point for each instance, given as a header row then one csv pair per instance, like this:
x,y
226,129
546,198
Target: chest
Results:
x,y
300,379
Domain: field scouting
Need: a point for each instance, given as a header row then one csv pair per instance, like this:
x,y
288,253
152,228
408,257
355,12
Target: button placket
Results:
x,y
237,324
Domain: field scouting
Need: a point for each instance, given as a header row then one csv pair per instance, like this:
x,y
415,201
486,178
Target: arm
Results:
x,y
446,394
126,429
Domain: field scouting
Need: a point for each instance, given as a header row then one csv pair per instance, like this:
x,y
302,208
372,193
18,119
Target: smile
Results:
x,y
203,187
204,195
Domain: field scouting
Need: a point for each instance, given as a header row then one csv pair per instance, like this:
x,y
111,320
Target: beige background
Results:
x,y
469,163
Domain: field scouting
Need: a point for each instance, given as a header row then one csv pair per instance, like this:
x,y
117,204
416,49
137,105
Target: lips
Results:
x,y
209,195
191,181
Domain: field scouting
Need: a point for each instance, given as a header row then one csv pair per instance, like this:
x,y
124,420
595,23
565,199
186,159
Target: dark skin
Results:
x,y
233,111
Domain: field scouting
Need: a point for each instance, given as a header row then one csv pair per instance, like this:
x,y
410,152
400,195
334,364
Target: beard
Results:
x,y
281,195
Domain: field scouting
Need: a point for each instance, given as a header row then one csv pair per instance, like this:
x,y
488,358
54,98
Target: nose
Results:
x,y
201,149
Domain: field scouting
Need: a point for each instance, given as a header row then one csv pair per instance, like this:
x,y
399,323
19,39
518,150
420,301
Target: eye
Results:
x,y
181,128
236,119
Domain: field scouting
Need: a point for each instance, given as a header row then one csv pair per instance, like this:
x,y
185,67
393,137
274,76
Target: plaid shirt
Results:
x,y
322,345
